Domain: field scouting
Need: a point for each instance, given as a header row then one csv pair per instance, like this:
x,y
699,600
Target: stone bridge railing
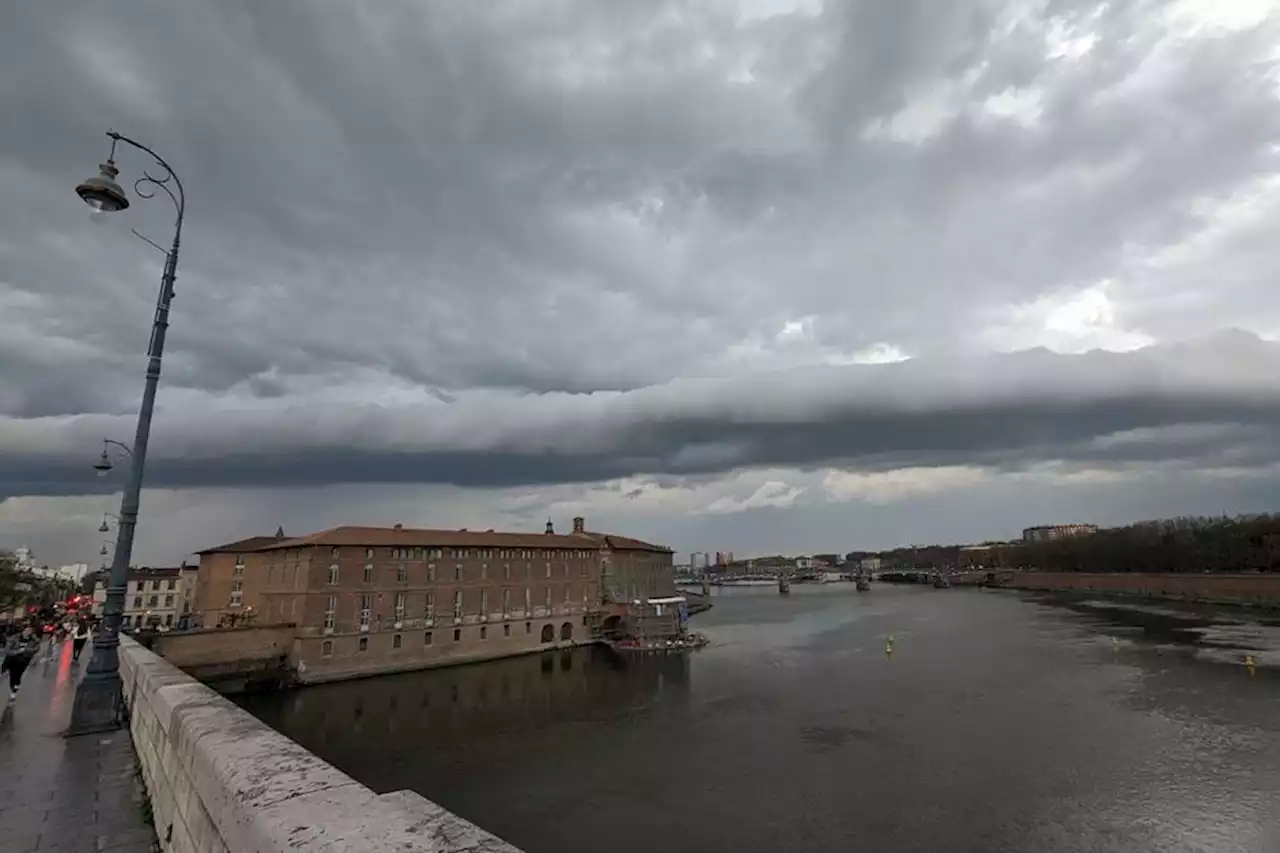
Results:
x,y
220,780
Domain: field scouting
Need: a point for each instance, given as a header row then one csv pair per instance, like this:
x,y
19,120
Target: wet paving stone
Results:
x,y
66,795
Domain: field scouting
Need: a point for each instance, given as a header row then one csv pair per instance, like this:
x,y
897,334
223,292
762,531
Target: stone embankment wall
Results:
x,y
220,781
231,660
1233,589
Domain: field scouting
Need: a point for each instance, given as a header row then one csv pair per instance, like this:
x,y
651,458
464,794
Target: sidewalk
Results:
x,y
60,795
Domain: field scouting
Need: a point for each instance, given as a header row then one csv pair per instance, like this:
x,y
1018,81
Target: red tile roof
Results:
x,y
243,546
409,537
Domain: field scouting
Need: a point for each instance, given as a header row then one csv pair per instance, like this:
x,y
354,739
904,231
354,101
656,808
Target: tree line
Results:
x,y
1245,543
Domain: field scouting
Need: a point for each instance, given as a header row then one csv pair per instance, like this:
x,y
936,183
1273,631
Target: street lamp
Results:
x,y
97,704
104,465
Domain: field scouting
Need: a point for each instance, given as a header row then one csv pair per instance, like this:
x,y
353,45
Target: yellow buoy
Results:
x,y
1250,664
888,645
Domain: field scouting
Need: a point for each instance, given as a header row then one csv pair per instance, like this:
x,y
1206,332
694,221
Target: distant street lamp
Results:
x,y
103,466
97,704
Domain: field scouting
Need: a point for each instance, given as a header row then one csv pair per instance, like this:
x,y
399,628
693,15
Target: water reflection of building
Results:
x,y
350,723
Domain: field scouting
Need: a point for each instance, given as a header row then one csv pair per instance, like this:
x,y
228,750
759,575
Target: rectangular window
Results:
x,y
506,571
402,573
457,634
457,572
430,608
528,602
172,585
583,571
153,601
506,629
484,571
484,632
364,644
137,602
168,601
333,574
326,649
368,553
426,638
431,572
399,607
368,572
568,594
546,599
239,567
334,553
366,610
528,627
395,641
484,604
331,613
506,601
457,605
548,570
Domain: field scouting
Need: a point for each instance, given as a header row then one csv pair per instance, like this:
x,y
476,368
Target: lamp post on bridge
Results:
x,y
97,704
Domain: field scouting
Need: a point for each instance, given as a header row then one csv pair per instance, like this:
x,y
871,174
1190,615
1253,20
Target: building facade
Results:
x,y
226,589
1049,532
365,600
154,597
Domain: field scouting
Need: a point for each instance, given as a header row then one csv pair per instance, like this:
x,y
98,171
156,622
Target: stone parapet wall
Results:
x,y
220,780
1235,588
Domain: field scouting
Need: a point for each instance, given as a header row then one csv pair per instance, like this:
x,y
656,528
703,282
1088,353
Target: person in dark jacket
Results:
x,y
18,652
78,638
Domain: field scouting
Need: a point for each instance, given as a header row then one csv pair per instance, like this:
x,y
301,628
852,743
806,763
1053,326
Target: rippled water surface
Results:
x,y
998,723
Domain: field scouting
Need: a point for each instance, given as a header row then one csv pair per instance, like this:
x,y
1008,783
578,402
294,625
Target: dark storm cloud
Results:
x,y
531,195
1213,403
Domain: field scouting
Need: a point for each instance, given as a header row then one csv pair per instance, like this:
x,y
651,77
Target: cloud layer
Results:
x,y
1213,401
512,244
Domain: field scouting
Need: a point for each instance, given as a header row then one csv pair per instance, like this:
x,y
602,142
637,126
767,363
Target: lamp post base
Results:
x,y
97,707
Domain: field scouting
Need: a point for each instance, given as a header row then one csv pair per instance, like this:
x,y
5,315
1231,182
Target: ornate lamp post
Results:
x,y
98,698
104,464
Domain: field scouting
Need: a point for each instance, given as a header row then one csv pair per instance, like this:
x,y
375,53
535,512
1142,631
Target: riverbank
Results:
x,y
1237,590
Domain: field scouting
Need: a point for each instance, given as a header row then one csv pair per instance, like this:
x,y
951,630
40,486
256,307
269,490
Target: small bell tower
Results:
x,y
551,528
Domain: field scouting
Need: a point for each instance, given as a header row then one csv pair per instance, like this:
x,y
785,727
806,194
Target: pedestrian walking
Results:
x,y
78,639
19,650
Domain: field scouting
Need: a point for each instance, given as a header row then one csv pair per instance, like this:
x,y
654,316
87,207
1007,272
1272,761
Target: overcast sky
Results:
x,y
756,276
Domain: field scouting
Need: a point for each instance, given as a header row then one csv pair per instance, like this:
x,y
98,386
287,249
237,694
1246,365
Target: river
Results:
x,y
999,722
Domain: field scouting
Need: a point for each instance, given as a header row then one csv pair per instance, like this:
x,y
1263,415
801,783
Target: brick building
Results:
x,y
225,590
375,599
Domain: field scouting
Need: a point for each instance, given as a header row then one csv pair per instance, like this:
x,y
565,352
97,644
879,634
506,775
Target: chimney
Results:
x,y
551,528
579,524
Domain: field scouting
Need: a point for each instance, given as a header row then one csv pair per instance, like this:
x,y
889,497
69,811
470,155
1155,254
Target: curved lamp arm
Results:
x,y
147,185
120,444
